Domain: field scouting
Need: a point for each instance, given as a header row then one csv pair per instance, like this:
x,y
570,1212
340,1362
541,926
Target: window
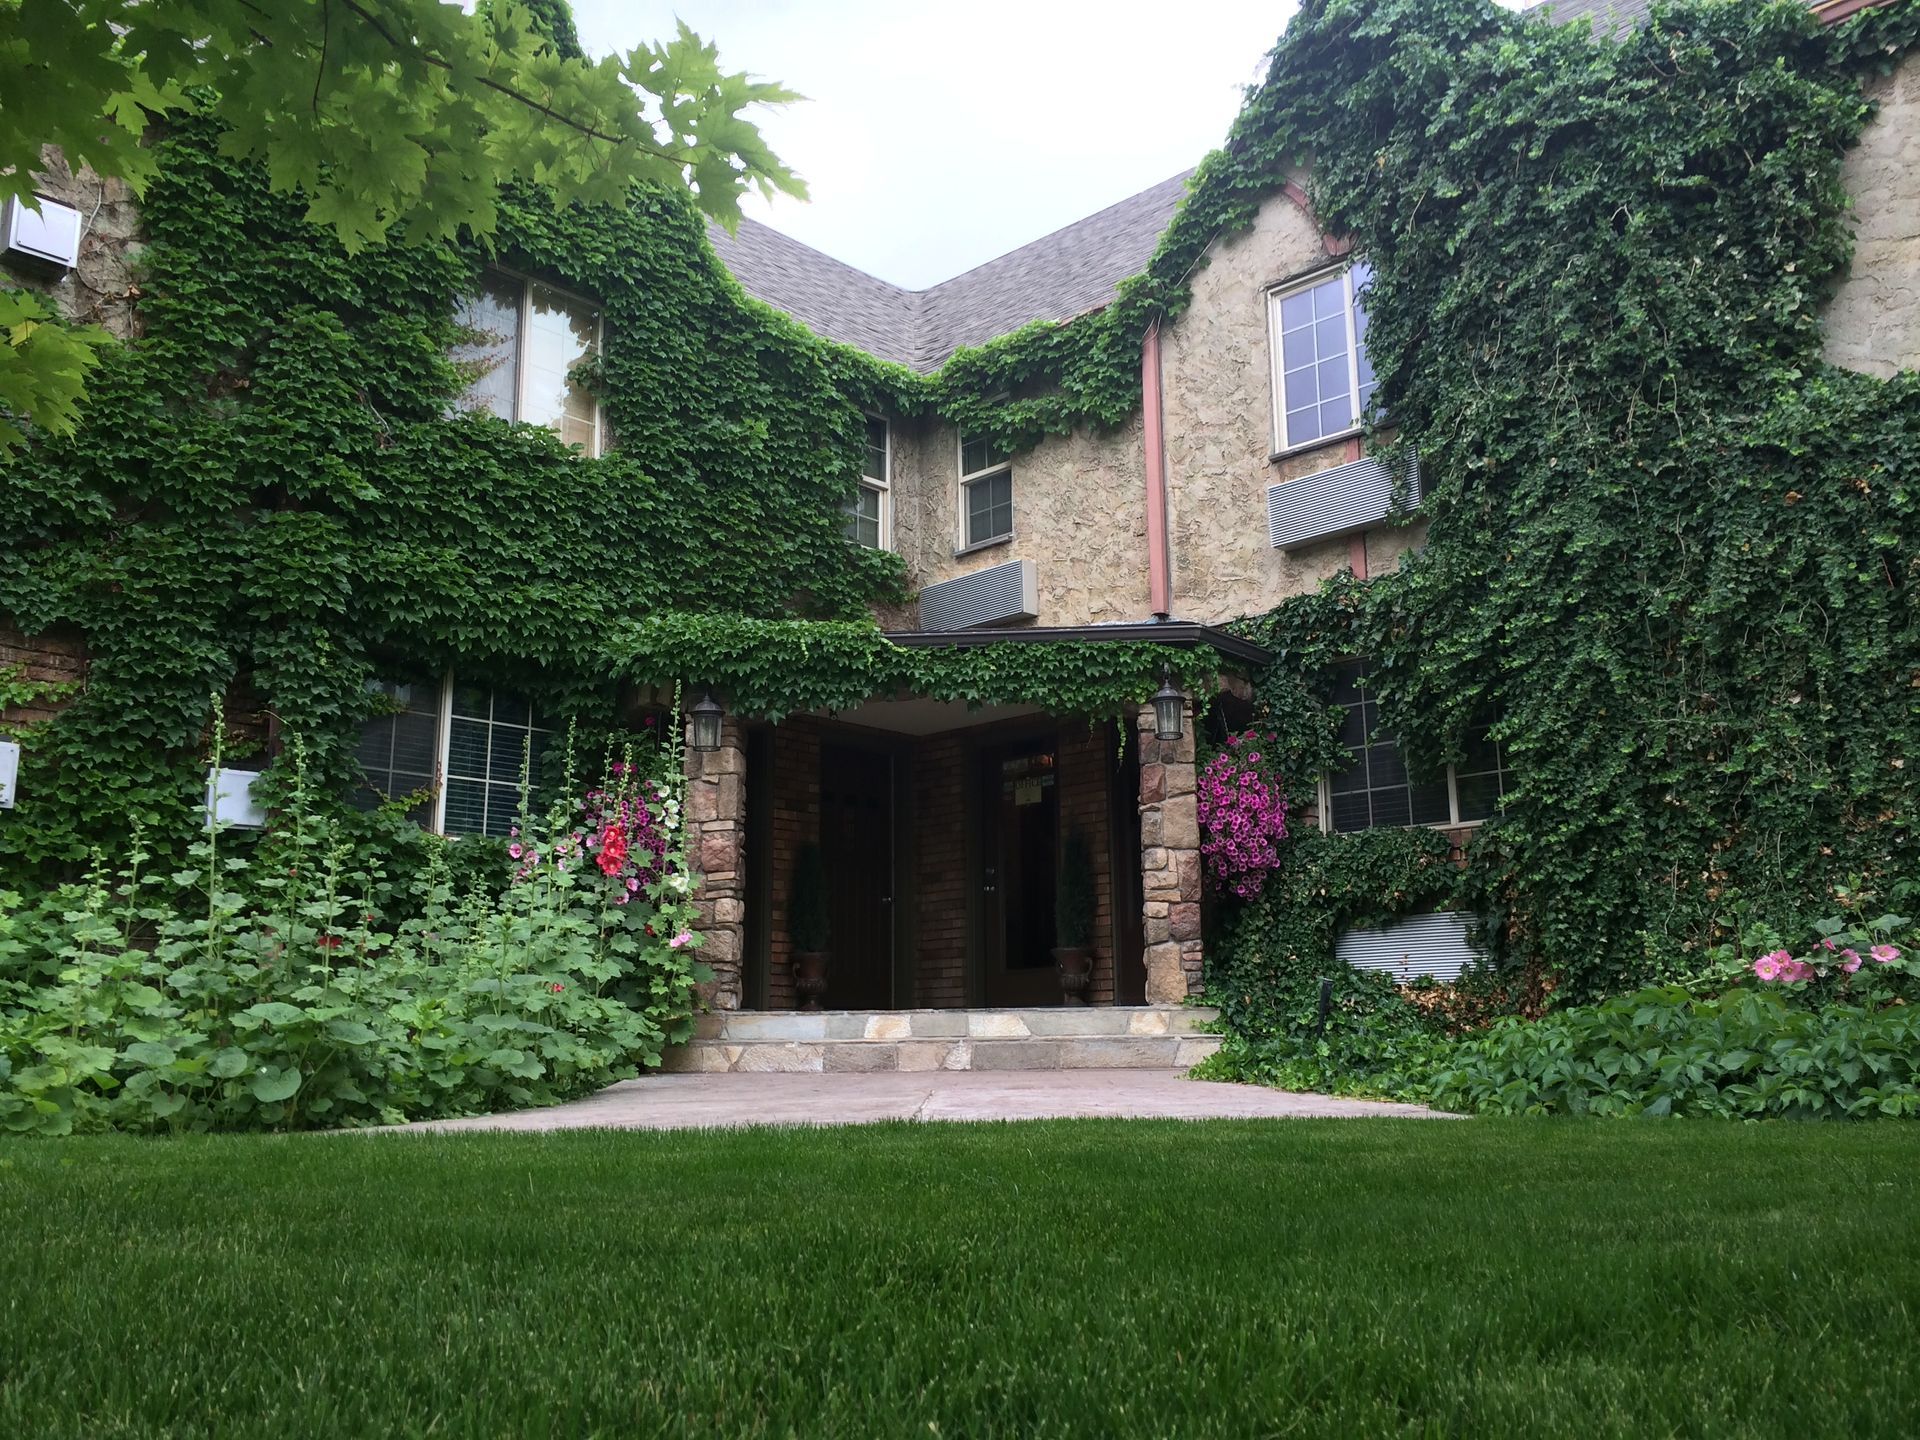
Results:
x,y
1376,788
1322,379
867,518
526,338
986,493
474,740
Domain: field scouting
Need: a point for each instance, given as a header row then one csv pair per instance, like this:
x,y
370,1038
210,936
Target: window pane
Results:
x,y
471,700
1390,807
863,517
562,332
466,807
990,508
1330,303
1296,312
510,709
467,749
1479,796
1428,803
1303,425
1384,765
1346,681
977,455
1336,415
874,466
491,316
503,808
414,735
1350,812
507,751
1296,349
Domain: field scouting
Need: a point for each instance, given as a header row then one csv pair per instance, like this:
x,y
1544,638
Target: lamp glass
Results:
x,y
706,716
1169,711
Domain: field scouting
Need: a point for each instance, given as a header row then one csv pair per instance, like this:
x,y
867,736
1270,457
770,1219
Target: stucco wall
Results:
x,y
99,290
1079,513
1873,319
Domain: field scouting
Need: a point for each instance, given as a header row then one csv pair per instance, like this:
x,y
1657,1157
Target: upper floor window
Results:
x,y
986,493
868,522
1377,789
464,743
1322,378
525,341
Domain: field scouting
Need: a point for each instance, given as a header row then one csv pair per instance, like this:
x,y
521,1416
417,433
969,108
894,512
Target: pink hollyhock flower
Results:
x,y
1767,967
1796,970
1885,954
516,850
558,988
1828,945
633,883
1850,960
680,941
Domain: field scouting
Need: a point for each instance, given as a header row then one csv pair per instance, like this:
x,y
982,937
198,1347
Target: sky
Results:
x,y
937,135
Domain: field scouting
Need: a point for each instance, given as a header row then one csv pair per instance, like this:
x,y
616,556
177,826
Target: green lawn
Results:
x,y
1099,1278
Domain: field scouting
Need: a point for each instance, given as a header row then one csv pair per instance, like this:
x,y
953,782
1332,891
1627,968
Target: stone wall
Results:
x,y
1170,862
100,289
1873,317
717,822
1079,513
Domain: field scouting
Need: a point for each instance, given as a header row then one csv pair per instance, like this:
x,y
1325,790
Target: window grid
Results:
x,y
986,493
869,513
534,335
464,742
1377,790
1322,376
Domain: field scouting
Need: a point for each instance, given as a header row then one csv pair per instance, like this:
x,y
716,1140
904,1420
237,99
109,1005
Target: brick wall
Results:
x,y
1086,757
54,659
940,873
796,821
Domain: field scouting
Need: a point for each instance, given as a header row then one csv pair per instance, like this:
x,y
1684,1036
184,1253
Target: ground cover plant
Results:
x,y
1114,1279
276,982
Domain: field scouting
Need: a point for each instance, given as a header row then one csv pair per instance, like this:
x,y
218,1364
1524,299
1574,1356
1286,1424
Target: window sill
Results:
x,y
1294,452
980,545
1327,829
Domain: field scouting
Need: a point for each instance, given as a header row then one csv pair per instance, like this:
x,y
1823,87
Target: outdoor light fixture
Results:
x,y
1169,708
706,716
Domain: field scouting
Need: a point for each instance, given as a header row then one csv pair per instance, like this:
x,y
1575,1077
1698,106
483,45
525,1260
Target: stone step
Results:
x,y
1112,1037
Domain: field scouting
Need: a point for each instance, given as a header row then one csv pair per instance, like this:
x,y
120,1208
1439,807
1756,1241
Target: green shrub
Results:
x,y
266,989
1747,1053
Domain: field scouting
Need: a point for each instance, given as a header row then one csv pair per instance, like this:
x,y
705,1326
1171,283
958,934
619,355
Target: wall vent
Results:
x,y
52,236
993,596
1339,501
230,799
9,771
1440,945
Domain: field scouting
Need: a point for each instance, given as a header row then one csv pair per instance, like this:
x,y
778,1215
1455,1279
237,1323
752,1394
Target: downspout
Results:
x,y
1159,556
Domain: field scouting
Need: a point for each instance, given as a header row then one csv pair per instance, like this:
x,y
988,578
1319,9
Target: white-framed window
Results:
x,y
1317,337
986,493
1377,789
526,339
869,517
461,746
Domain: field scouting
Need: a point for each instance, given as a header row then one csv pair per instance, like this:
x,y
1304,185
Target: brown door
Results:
x,y
856,844
1021,819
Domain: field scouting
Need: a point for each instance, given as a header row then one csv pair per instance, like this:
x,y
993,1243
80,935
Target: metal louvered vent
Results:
x,y
986,597
1334,502
1440,945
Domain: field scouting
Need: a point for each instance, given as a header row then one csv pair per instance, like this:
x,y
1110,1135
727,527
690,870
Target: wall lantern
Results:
x,y
1169,709
706,716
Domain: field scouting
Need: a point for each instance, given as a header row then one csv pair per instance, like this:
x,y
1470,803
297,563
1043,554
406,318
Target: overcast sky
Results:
x,y
938,134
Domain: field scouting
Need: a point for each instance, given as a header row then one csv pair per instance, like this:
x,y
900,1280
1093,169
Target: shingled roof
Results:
x,y
1075,269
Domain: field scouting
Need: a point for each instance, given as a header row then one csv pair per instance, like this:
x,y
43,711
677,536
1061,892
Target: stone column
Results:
x,y
717,847
1169,862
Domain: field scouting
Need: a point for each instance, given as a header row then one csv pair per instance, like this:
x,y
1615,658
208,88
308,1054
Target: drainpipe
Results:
x,y
1159,557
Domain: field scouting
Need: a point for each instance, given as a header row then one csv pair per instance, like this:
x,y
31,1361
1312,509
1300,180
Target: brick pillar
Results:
x,y
717,845
1169,862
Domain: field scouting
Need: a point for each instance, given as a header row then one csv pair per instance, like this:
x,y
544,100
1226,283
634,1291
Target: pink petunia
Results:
x,y
1885,954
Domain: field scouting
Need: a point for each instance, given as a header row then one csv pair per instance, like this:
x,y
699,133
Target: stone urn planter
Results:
x,y
810,977
1073,921
1076,972
808,927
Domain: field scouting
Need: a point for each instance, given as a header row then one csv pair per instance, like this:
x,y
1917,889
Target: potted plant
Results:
x,y
807,926
1073,921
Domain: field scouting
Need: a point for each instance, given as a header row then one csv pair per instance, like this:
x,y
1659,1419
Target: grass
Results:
x,y
1088,1278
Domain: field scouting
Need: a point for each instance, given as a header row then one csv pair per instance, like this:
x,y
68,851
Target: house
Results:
x,y
1240,480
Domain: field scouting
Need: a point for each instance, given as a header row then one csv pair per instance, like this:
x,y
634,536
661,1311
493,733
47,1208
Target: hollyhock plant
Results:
x,y
1243,812
1832,968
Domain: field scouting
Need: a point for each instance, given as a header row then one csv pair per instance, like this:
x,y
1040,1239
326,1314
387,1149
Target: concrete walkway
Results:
x,y
684,1102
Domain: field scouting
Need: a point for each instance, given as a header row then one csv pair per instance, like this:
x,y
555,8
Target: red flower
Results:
x,y
558,988
613,849
328,942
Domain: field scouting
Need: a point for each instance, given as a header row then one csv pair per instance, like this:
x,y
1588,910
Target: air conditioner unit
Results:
x,y
51,235
993,596
9,771
230,799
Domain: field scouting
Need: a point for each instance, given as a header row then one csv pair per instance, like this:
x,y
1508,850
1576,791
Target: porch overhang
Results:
x,y
1178,634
